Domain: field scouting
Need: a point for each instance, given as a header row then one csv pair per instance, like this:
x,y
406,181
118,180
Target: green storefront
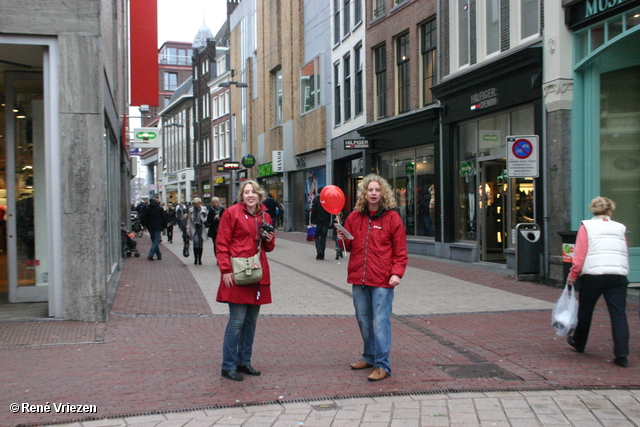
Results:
x,y
605,152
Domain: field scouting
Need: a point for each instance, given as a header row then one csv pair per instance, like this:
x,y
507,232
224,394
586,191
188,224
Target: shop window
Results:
x,y
619,149
411,174
466,203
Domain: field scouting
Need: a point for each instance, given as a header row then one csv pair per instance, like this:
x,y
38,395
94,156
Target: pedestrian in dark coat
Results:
x,y
213,220
154,219
322,220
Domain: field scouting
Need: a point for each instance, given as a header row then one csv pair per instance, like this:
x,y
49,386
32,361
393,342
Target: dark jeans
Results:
x,y
614,289
155,243
321,236
170,233
238,337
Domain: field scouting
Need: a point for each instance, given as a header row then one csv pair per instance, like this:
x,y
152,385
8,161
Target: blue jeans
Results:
x,y
238,337
373,311
614,289
155,243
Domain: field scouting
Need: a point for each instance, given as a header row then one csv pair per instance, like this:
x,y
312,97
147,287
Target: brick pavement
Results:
x,y
160,353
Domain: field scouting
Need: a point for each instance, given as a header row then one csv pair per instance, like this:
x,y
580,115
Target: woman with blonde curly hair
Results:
x,y
601,261
377,263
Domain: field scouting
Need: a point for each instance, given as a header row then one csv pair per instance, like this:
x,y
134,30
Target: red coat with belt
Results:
x,y
378,250
238,236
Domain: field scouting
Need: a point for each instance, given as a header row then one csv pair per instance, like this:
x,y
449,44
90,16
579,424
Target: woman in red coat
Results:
x,y
239,235
377,263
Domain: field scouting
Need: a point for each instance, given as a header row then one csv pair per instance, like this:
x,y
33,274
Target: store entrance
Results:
x,y
23,252
492,199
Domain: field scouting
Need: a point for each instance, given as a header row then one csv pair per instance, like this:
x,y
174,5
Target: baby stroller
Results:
x,y
136,225
129,246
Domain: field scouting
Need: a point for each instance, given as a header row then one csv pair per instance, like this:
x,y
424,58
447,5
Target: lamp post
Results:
x,y
233,130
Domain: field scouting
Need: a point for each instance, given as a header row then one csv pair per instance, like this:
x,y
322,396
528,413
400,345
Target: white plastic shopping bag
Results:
x,y
564,317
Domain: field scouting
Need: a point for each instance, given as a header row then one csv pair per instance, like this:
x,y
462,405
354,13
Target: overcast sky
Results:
x,y
179,20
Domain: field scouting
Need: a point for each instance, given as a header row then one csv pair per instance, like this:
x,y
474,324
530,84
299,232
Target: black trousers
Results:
x,y
614,289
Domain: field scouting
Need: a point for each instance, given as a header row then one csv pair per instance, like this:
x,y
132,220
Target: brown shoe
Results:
x,y
361,364
378,374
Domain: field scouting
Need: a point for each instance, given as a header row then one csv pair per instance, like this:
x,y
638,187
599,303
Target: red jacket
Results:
x,y
238,234
378,250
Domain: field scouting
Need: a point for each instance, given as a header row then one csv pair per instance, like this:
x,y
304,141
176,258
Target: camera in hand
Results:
x,y
266,228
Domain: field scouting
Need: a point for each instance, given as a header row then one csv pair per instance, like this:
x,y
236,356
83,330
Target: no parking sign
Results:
x,y
522,156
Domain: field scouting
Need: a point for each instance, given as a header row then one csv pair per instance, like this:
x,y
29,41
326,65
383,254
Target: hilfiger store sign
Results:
x,y
589,11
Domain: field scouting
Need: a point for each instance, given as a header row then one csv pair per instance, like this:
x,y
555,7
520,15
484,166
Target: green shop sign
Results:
x,y
265,170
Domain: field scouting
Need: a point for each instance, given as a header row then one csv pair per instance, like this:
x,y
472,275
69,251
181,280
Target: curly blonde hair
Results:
x,y
387,201
600,205
257,188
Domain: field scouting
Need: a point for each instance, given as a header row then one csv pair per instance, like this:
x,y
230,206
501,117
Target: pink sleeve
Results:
x,y
580,252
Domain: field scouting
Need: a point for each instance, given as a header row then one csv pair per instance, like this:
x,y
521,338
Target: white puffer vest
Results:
x,y
607,252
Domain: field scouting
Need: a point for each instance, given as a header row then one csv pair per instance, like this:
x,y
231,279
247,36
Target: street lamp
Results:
x,y
233,130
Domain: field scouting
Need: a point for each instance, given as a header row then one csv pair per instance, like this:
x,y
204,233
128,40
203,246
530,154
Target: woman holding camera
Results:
x,y
241,234
196,219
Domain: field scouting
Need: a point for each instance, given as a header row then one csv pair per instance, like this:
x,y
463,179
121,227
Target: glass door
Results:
x,y
24,185
492,198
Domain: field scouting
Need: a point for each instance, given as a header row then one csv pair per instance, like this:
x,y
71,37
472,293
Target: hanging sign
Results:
x,y
522,156
248,161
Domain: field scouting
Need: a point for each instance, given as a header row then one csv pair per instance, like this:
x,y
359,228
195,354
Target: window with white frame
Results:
x,y
346,60
358,94
206,111
463,32
336,21
492,22
310,85
428,64
277,92
217,150
170,81
529,18
357,12
347,17
215,112
221,65
227,139
403,73
378,8
336,96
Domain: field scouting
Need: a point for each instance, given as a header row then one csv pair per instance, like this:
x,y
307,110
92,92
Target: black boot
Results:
x,y
200,256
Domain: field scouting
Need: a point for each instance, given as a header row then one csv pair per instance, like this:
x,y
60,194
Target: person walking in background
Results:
x,y
601,261
272,207
196,219
377,262
154,219
338,219
239,236
322,220
171,221
213,220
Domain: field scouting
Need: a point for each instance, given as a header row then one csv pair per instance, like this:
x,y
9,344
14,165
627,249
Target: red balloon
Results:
x,y
332,199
